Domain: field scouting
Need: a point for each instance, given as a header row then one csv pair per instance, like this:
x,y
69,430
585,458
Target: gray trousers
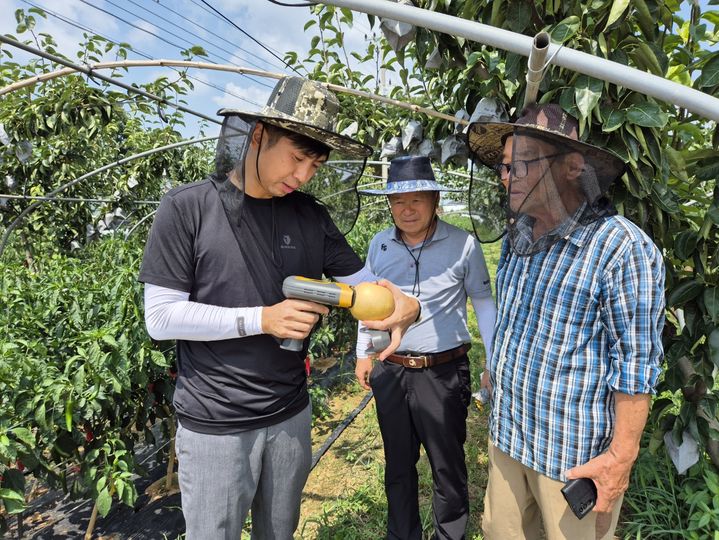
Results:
x,y
223,476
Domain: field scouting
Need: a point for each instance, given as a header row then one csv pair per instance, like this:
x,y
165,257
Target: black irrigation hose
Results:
x,y
338,431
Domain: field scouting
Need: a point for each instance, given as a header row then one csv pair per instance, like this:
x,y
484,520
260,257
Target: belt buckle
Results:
x,y
416,362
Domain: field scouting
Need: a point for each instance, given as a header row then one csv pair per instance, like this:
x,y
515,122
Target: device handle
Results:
x,y
289,344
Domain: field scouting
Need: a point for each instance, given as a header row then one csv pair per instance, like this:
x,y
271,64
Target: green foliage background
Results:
x,y
79,378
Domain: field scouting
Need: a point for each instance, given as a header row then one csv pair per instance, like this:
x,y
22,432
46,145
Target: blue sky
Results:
x,y
148,25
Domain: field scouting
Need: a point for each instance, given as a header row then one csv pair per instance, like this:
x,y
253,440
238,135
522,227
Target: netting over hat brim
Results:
x,y
409,187
486,144
334,140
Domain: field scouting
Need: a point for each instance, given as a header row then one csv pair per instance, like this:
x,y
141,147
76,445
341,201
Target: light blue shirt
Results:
x,y
451,269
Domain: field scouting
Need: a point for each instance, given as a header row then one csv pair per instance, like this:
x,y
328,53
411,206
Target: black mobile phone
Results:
x,y
581,495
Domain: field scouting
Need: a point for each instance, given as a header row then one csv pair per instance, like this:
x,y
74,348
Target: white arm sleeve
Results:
x,y
170,315
486,313
363,341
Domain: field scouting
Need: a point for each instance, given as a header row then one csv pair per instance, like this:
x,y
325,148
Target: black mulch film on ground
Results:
x,y
56,517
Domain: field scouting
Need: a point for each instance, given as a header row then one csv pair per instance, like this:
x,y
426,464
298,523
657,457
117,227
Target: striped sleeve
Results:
x,y
633,315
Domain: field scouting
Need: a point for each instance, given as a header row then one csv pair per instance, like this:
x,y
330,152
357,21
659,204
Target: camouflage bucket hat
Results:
x,y
308,108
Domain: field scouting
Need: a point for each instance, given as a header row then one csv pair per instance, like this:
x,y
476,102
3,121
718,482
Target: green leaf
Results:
x,y
14,501
647,115
612,119
618,9
109,340
685,243
519,14
711,302
565,30
708,172
713,213
714,346
710,73
158,358
684,292
473,58
587,92
665,197
677,165
25,436
104,502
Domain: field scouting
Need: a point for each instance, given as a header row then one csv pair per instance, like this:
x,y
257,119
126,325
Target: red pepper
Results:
x,y
20,465
307,365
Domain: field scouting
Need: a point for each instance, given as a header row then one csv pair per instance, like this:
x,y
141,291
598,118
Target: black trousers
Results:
x,y
427,407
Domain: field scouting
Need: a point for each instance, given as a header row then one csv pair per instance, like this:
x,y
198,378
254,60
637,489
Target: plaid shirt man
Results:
x,y
575,323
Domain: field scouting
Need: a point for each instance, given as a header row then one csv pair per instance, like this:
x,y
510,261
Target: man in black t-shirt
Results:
x,y
213,270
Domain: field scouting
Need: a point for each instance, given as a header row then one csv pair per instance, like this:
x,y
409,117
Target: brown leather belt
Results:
x,y
420,361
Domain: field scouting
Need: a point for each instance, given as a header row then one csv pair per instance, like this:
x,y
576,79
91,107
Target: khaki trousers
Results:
x,y
519,500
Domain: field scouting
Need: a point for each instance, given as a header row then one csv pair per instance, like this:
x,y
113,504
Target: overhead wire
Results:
x,y
80,26
165,21
287,4
180,47
223,58
230,21
180,15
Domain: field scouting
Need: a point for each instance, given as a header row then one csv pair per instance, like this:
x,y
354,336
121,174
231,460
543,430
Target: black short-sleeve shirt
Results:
x,y
245,383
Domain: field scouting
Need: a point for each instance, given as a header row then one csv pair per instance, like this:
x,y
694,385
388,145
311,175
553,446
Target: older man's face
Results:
x,y
540,179
413,212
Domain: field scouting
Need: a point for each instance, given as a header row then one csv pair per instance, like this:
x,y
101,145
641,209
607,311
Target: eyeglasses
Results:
x,y
520,167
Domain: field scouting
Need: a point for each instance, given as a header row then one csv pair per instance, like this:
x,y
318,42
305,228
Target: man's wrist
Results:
x,y
624,453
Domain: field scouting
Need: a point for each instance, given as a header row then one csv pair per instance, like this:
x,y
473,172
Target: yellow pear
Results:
x,y
372,302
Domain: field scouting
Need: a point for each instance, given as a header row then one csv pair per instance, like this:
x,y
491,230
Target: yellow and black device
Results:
x,y
322,292
330,293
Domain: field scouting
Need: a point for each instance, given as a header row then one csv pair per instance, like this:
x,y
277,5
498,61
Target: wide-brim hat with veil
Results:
x,y
551,122
567,197
310,109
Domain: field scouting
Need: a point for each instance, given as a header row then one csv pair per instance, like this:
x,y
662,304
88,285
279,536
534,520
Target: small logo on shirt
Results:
x,y
383,247
287,242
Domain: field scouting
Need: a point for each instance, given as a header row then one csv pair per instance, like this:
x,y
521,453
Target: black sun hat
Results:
x,y
308,108
409,174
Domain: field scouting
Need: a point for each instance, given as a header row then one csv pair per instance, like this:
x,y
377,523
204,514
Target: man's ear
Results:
x,y
574,164
256,136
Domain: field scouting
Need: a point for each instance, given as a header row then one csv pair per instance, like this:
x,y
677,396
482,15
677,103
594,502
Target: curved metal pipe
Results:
x,y
49,196
90,73
92,69
599,68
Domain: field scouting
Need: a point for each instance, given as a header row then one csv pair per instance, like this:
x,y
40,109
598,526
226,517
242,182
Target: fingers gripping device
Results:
x,y
329,293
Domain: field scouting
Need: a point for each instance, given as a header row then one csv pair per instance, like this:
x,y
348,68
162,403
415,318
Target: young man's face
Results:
x,y
413,212
282,167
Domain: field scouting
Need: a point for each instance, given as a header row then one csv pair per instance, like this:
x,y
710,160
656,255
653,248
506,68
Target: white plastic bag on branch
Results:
x,y
391,149
411,134
398,34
